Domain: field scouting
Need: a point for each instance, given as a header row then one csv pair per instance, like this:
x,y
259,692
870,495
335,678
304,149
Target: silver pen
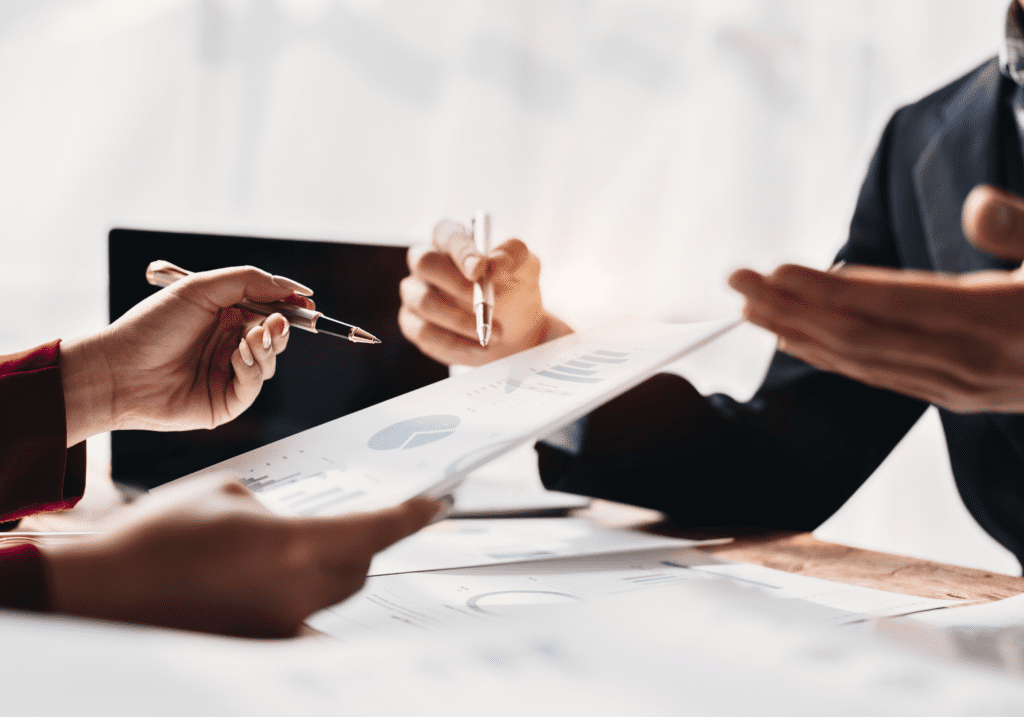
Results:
x,y
164,273
483,292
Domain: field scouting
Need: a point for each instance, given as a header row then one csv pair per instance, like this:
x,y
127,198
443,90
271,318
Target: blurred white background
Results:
x,y
642,148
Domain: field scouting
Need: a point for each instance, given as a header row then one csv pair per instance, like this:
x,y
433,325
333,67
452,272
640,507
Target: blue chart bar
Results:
x,y
566,377
579,364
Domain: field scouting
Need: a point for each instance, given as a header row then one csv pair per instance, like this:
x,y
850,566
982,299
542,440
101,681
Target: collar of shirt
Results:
x,y
1011,51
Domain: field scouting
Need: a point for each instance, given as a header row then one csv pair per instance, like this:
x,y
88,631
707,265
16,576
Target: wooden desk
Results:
x,y
801,553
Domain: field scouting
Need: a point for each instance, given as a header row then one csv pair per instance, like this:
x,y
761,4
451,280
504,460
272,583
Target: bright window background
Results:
x,y
642,148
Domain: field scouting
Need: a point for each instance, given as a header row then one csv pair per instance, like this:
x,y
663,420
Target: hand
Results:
x,y
182,359
956,341
205,555
437,299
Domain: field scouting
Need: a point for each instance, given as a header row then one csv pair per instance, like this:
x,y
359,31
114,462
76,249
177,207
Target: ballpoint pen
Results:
x,y
163,273
483,292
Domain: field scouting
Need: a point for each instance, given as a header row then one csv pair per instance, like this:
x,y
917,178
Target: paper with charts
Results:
x,y
426,441
416,603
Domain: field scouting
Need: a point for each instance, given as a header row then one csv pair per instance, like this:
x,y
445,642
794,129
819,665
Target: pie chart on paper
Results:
x,y
413,432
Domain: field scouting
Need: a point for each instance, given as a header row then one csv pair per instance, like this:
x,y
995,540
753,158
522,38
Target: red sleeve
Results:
x,y
37,471
23,582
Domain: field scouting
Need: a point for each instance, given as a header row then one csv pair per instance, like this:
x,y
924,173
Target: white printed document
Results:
x,y
426,441
1008,612
415,603
468,543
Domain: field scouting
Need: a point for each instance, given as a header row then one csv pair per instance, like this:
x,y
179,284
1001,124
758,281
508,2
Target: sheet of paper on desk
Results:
x,y
1008,612
838,603
472,542
416,602
426,441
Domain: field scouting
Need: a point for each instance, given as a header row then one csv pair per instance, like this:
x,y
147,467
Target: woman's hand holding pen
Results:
x,y
437,299
182,359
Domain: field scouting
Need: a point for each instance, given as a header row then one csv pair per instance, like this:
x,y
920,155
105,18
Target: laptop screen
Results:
x,y
318,377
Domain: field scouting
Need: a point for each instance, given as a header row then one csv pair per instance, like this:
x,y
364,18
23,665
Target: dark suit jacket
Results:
x,y
37,471
791,457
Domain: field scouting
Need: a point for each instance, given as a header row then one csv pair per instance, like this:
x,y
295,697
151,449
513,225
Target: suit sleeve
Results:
x,y
37,471
787,459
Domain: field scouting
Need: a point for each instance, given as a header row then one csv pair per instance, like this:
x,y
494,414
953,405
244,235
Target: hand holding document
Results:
x,y
426,441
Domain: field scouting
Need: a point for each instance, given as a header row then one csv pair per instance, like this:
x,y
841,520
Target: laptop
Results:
x,y
318,377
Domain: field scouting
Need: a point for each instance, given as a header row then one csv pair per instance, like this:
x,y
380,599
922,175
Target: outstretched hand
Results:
x,y
205,555
956,341
437,299
183,359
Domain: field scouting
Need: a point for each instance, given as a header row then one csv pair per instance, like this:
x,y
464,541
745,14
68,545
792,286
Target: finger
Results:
x,y
936,387
279,330
436,308
850,335
261,345
511,273
923,299
437,269
440,344
993,220
509,256
365,534
214,290
302,301
451,238
248,379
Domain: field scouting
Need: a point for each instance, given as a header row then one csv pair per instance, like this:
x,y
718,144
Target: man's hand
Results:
x,y
182,359
956,341
437,299
205,555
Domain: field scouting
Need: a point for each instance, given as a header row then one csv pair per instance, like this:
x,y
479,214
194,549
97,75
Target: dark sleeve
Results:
x,y
37,471
787,459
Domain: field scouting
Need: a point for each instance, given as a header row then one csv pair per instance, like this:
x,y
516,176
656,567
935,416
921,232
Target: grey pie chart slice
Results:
x,y
413,432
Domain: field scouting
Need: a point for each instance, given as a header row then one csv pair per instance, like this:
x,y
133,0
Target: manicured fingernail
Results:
x,y
471,263
286,329
285,283
266,338
243,349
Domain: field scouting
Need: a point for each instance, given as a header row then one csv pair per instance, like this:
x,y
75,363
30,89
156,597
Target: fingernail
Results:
x,y
243,349
266,338
285,283
286,329
471,264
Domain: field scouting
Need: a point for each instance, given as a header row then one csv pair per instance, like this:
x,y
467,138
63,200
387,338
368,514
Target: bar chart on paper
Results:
x,y
426,441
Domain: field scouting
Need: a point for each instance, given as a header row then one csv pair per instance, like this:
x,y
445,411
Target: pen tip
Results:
x,y
357,335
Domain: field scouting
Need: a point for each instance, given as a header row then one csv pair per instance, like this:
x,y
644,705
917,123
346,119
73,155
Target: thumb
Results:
x,y
451,238
993,221
368,533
